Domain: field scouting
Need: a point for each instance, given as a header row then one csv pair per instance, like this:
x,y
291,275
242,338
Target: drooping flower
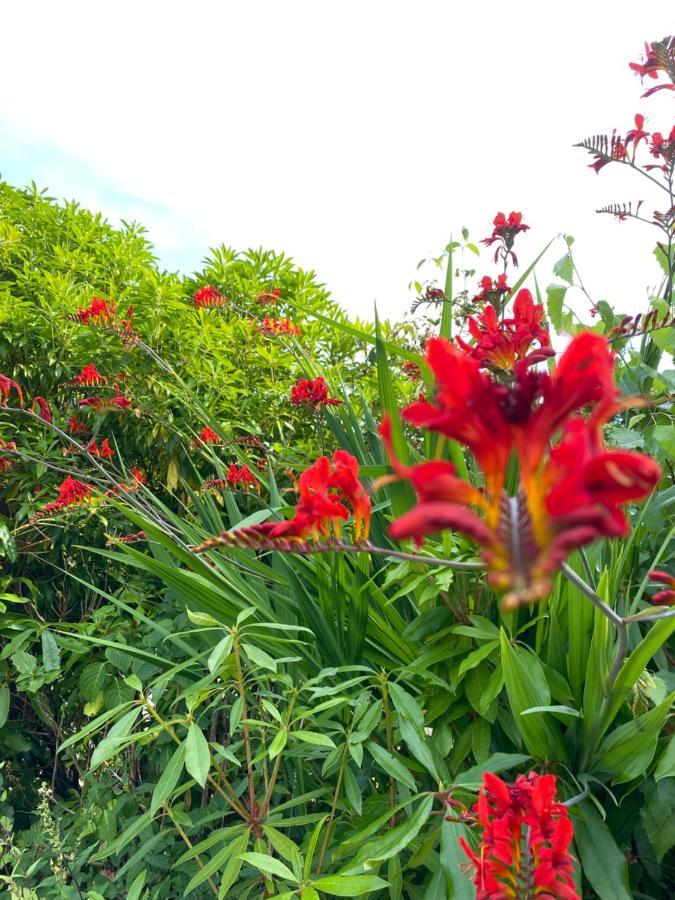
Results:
x,y
208,297
659,57
565,500
103,451
501,343
88,377
312,392
45,412
7,385
637,134
664,597
525,836
137,480
504,233
107,404
99,312
74,426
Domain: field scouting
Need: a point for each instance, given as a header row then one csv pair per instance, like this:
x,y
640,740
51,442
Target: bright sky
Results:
x,y
354,136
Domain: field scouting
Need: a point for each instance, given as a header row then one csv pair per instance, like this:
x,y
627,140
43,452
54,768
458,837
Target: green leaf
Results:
x,y
603,862
219,654
453,861
353,791
391,765
51,655
555,298
197,755
498,762
259,658
217,861
314,738
658,816
235,714
269,865
564,268
93,680
628,751
4,704
136,886
278,742
392,841
168,779
233,867
559,710
349,885
476,657
665,768
116,737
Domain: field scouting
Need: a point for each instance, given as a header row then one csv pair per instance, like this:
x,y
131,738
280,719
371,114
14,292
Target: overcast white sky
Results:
x,y
354,136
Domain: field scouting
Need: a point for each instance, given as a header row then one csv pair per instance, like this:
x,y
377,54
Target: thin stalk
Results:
x,y
331,817
389,731
187,840
264,806
253,807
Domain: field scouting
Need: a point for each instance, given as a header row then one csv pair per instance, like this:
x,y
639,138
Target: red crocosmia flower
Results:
x,y
207,436
268,298
659,57
45,412
107,404
99,312
88,377
6,387
637,134
567,497
323,490
664,597
492,291
209,297
241,477
504,233
104,451
71,493
132,538
312,392
6,462
515,818
271,327
501,343
74,426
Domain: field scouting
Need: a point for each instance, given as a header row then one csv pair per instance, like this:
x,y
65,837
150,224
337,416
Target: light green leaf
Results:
x,y
51,655
197,755
269,865
219,654
353,791
115,738
391,765
349,885
4,704
259,658
278,743
392,841
136,886
168,779
665,768
314,738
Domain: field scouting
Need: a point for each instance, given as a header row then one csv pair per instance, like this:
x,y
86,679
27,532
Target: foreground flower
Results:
x,y
525,836
208,297
75,426
104,451
504,233
312,392
663,597
501,343
71,493
6,387
566,499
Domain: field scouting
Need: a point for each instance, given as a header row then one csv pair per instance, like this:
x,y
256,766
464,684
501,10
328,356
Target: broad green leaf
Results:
x,y
658,816
217,861
115,738
603,862
51,655
197,755
498,762
313,737
349,885
476,657
259,658
278,742
458,882
391,765
233,867
168,779
269,865
219,654
134,891
4,704
311,847
628,751
665,768
392,841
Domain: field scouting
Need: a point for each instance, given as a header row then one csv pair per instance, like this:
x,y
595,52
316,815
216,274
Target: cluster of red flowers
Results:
x,y
492,290
104,451
504,233
659,57
501,343
271,327
567,498
6,462
137,479
237,477
312,392
665,597
323,489
71,493
99,312
268,298
6,387
107,404
524,843
88,377
617,148
208,297
206,436
74,426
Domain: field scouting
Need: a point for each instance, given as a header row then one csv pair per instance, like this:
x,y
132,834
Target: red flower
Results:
x,y
504,233
71,493
207,436
88,377
271,327
6,386
492,291
618,151
501,343
99,312
45,412
663,597
564,501
268,298
637,134
208,297
312,392
105,451
132,538
241,477
511,818
107,404
74,426
323,490
659,57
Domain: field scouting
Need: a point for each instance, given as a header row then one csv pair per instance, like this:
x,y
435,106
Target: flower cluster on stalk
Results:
x,y
209,297
525,836
504,231
665,596
312,392
277,327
